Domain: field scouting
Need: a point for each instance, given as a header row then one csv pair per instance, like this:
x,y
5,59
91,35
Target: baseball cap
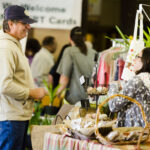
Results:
x,y
15,12
77,31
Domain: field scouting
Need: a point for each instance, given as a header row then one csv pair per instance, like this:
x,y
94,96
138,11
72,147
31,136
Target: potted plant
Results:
x,y
125,38
52,101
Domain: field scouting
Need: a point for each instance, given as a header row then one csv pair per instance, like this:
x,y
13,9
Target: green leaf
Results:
x,y
147,44
146,35
126,36
122,35
55,90
46,85
51,93
148,30
107,37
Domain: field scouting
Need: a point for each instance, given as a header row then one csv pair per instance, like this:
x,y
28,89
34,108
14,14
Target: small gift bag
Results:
x,y
137,44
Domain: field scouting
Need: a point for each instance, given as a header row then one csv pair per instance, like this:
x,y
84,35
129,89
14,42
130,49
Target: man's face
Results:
x,y
18,29
53,47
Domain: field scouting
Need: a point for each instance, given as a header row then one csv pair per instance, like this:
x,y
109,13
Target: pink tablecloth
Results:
x,y
60,142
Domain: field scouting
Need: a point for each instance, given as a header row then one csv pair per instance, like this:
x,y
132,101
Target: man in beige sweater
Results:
x,y
17,92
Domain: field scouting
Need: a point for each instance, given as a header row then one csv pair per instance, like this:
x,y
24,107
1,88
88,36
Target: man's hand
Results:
x,y
37,93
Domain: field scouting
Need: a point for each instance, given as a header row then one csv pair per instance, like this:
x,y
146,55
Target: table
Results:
x,y
61,142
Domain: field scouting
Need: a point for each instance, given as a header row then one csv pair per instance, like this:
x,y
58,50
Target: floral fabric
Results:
x,y
129,114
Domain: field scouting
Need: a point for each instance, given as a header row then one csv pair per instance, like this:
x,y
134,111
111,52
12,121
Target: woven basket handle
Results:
x,y
111,97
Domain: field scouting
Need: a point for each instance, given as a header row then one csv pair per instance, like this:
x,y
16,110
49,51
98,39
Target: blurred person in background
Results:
x,y
32,47
77,60
43,61
53,74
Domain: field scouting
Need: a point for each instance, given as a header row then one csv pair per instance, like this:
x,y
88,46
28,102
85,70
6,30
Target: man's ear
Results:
x,y
71,41
10,23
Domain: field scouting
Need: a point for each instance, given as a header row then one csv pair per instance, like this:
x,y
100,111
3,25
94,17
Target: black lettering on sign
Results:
x,y
55,10
52,20
39,19
69,21
42,19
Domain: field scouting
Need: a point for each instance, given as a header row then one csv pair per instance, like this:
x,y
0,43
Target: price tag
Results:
x,y
82,80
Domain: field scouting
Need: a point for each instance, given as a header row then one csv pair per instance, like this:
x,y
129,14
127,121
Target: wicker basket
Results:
x,y
141,130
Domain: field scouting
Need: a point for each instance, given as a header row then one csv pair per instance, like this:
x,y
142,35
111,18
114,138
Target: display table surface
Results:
x,y
61,142
49,138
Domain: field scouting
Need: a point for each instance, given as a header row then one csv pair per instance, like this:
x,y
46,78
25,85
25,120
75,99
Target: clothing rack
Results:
x,y
117,42
142,9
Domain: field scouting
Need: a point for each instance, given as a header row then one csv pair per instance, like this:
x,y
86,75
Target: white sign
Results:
x,y
56,14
